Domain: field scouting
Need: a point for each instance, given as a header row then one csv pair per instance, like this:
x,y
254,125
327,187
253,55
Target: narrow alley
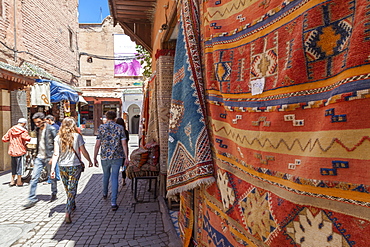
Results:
x,y
93,222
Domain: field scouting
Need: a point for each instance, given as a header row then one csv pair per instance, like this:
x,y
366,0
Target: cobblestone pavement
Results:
x,y
93,222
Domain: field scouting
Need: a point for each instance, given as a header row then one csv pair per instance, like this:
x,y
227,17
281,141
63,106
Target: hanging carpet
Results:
x,y
189,153
288,93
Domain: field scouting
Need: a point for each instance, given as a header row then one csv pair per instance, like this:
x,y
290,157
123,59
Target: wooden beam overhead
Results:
x,y
10,76
138,3
134,18
135,21
137,38
133,13
123,2
142,13
134,8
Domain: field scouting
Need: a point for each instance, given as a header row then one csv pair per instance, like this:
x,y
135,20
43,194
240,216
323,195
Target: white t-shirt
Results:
x,y
41,154
69,157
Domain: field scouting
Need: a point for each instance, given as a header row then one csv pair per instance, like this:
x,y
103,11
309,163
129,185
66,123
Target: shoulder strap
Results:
x,y
78,157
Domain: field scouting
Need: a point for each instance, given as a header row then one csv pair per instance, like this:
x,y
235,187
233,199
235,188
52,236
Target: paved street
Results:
x,y
93,222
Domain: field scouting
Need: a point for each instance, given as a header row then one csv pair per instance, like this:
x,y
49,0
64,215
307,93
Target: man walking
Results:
x,y
45,146
17,136
51,120
112,141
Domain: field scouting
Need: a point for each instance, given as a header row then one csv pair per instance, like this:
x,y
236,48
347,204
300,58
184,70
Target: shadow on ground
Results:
x,y
95,224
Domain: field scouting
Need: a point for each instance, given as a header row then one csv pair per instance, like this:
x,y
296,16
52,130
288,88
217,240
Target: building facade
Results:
x,y
100,82
37,41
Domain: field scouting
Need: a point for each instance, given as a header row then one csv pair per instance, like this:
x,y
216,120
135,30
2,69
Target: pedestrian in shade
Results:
x,y
120,121
103,119
111,139
45,134
17,136
51,120
67,147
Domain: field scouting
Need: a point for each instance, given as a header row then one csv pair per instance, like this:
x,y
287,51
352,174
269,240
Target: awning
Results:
x,y
60,91
13,77
82,100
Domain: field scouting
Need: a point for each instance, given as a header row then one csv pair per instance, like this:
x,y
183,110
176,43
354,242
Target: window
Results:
x,y
70,39
88,83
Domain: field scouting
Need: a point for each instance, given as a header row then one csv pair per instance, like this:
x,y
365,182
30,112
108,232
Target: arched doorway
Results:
x,y
133,114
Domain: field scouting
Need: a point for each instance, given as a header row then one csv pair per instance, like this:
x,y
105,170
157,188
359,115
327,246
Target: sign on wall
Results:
x,y
124,51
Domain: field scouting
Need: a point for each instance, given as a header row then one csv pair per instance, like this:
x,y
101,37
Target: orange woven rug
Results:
x,y
287,86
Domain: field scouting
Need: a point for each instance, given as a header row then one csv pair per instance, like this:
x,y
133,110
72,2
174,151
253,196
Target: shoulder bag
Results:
x,y
81,163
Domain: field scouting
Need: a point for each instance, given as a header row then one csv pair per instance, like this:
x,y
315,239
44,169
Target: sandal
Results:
x,y
11,185
68,218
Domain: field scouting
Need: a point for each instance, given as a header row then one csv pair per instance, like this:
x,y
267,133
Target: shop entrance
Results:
x,y
87,118
111,106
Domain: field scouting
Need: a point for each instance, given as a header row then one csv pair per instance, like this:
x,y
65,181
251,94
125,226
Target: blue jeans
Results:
x,y
37,168
111,170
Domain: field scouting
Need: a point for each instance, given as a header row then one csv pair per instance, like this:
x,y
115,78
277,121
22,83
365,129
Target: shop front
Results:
x,y
54,98
92,113
10,81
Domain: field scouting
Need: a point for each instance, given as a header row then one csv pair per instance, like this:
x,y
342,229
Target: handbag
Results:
x,y
81,163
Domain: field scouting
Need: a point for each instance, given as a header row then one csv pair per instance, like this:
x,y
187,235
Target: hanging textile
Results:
x,y
288,93
186,217
152,130
145,112
66,108
40,94
165,77
189,153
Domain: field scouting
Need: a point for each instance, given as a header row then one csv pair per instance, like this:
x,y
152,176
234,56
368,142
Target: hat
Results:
x,y
22,120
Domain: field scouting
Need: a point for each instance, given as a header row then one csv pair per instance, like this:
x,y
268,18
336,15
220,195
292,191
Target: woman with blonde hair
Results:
x,y
67,147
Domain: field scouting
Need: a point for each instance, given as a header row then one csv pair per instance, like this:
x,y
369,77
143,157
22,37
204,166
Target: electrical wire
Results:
x,y
37,57
80,54
107,57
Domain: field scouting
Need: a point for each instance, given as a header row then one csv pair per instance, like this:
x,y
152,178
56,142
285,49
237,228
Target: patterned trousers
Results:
x,y
70,176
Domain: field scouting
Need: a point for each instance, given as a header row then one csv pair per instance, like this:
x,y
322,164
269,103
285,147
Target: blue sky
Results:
x,y
89,11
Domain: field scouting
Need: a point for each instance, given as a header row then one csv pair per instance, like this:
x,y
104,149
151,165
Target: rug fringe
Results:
x,y
172,194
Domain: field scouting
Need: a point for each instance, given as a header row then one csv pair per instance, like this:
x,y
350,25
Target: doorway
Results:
x,y
133,113
135,121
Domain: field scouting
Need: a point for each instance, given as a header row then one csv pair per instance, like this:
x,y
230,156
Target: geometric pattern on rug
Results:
x,y
227,192
324,42
185,169
257,215
310,228
174,215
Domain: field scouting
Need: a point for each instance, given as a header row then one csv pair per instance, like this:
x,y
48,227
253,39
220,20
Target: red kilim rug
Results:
x,y
288,92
